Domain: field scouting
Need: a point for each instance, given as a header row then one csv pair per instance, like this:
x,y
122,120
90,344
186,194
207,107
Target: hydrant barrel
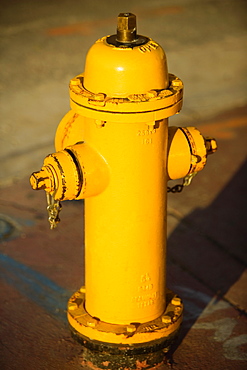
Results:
x,y
125,225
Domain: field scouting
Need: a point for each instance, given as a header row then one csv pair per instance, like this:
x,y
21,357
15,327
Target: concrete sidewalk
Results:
x,y
43,46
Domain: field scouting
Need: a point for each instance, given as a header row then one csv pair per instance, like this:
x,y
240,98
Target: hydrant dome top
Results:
x,y
121,71
125,63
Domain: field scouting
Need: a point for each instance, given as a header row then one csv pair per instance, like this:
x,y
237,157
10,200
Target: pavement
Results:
x,y
43,46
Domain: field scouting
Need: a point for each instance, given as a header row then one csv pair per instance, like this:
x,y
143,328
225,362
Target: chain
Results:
x,y
179,187
53,208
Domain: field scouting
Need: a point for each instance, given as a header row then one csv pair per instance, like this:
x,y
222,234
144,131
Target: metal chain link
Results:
x,y
53,208
179,187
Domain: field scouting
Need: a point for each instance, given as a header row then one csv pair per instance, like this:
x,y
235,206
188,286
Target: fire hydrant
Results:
x,y
114,149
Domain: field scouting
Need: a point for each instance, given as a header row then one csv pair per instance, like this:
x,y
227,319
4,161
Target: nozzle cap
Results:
x,y
40,179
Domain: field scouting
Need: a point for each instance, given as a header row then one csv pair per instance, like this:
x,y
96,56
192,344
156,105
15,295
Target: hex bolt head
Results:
x,y
176,301
75,81
131,328
91,323
72,306
126,27
177,82
166,319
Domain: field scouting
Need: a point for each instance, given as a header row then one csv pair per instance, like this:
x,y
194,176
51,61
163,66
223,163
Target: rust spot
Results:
x,y
141,365
91,365
106,363
68,127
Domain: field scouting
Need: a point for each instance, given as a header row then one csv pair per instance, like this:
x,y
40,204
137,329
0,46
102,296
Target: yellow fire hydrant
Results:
x,y
114,149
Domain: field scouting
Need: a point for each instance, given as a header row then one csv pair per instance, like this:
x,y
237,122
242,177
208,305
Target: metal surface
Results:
x,y
131,337
126,32
126,28
120,107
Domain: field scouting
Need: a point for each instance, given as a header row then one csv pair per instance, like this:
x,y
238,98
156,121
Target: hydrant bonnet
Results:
x,y
109,73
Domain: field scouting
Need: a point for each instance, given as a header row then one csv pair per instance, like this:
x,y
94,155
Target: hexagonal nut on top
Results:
x,y
126,27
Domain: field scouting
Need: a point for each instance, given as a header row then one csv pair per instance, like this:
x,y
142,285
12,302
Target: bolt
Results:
x,y
163,93
131,328
176,301
211,145
151,94
72,306
126,27
99,96
75,81
177,309
91,323
166,319
177,82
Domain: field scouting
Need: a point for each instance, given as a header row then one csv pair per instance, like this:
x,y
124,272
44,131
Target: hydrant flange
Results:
x,y
159,329
126,345
148,107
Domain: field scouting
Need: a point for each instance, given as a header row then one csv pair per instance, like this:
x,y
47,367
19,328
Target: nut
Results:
x,y
91,323
177,82
74,81
176,301
166,319
131,328
126,27
72,306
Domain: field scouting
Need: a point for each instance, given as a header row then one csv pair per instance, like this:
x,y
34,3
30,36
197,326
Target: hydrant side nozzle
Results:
x,y
76,172
187,151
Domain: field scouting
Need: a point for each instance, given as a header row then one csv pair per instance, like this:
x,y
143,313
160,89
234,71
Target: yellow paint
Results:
x,y
164,325
112,150
74,173
186,152
118,66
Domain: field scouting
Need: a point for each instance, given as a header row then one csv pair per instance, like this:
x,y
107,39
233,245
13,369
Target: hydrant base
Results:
x,y
102,360
96,355
116,347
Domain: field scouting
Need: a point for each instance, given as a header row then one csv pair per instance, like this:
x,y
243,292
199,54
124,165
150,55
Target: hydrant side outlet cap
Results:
x,y
121,71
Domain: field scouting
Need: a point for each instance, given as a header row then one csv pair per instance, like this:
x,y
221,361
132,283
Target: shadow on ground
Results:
x,y
209,245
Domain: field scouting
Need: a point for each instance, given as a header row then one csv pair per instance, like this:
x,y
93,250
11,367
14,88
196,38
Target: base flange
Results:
x,y
117,347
